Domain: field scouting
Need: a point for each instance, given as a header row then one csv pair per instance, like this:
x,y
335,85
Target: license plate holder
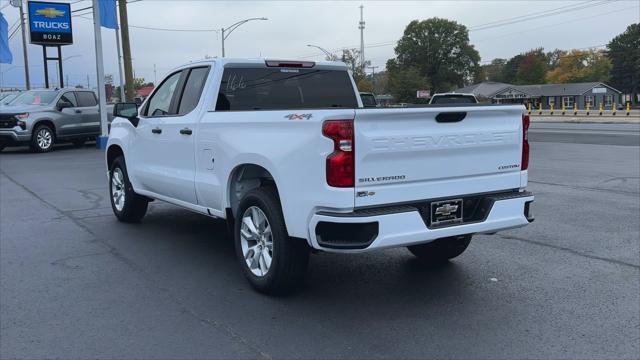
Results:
x,y
446,212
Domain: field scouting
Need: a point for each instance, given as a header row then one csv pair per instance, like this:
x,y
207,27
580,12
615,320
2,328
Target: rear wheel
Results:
x,y
126,204
42,139
441,250
273,262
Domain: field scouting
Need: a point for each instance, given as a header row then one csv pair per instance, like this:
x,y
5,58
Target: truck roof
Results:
x,y
338,65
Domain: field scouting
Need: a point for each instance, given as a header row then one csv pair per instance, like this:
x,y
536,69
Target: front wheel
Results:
x,y
273,262
42,139
441,250
126,204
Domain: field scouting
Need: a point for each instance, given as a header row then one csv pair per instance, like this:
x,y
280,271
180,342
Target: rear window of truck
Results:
x,y
245,89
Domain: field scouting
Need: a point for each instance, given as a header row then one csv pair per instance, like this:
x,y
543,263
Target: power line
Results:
x,y
533,17
498,23
556,24
523,16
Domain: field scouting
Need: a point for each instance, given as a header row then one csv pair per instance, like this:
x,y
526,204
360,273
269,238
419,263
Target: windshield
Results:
x,y
8,98
368,100
34,98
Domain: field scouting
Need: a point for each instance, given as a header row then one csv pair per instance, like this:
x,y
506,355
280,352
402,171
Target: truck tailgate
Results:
x,y
405,155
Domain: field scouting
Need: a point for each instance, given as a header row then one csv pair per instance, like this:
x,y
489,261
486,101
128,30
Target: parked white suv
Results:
x,y
285,152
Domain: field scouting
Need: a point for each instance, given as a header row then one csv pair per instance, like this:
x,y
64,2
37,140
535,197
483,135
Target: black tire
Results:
x,y
134,206
78,142
441,250
290,256
46,143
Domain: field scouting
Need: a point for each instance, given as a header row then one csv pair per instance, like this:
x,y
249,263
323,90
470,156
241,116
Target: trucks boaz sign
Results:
x,y
50,23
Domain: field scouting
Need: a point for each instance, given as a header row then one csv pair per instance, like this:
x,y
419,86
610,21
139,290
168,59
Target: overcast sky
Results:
x,y
330,24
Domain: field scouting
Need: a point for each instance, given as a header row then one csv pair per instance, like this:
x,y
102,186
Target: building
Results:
x,y
550,95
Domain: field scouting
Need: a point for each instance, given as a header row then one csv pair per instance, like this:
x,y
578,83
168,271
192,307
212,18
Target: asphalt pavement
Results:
x,y
75,283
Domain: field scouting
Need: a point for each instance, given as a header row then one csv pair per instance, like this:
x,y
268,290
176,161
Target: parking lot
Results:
x,y
75,283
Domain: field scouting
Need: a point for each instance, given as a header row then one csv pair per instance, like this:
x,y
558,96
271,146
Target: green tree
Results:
x,y
581,66
438,50
532,68
139,83
553,58
510,69
351,57
493,71
404,82
365,85
624,52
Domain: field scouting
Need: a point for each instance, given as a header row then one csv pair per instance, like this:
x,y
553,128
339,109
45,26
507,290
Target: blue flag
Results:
x,y
5,52
108,14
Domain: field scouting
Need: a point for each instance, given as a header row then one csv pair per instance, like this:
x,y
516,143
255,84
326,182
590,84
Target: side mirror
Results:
x,y
128,111
62,104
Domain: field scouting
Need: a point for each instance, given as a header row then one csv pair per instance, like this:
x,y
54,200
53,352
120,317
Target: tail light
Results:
x,y
525,142
341,162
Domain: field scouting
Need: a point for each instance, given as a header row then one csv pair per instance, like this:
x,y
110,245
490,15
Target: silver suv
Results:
x,y
41,118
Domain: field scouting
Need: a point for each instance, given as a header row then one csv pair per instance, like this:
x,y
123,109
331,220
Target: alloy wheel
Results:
x,y
44,138
256,240
117,189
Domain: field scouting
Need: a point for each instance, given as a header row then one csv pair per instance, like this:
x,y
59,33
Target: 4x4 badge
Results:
x,y
298,116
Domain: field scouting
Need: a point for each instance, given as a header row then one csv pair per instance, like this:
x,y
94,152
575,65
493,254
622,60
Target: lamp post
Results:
x,y
226,32
328,54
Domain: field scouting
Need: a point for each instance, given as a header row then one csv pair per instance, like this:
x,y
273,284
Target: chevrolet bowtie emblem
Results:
x,y
50,13
446,209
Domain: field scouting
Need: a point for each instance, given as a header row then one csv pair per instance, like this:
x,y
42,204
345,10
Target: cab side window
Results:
x,y
86,98
68,97
192,90
160,102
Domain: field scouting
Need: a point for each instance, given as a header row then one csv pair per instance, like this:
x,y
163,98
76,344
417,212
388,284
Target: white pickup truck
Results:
x,y
286,153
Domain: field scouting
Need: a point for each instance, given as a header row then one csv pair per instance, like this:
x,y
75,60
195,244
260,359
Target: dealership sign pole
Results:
x,y
50,26
101,142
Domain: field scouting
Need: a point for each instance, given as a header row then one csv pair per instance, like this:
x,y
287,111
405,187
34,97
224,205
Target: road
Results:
x,y
75,283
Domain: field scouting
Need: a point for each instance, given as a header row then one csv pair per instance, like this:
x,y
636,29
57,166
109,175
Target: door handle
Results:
x,y
186,131
78,111
156,131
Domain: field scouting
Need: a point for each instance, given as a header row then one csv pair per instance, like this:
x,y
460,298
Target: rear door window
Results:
x,y
192,90
245,89
86,99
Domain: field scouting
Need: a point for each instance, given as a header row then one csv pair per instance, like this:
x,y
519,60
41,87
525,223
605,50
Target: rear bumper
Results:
x,y
403,226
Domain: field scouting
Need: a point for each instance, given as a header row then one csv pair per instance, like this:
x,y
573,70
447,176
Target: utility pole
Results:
x,y
122,97
126,49
373,76
155,75
27,81
361,27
